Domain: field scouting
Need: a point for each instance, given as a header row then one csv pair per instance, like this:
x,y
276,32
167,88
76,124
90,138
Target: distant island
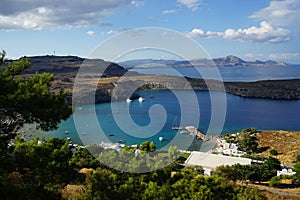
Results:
x,y
220,62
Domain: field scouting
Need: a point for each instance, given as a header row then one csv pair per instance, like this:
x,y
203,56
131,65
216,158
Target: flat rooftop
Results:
x,y
212,161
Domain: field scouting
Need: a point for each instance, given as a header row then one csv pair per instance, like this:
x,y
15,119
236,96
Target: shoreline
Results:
x,y
268,89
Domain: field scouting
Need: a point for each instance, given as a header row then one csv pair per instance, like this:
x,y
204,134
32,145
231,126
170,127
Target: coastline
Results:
x,y
268,89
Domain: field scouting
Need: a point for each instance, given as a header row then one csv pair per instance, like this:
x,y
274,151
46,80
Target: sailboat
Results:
x,y
175,127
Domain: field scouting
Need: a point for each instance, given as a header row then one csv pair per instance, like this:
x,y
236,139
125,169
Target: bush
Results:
x,y
274,181
273,152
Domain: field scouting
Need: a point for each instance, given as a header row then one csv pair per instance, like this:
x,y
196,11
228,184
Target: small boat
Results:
x,y
83,133
111,135
141,99
66,132
175,127
183,131
160,138
128,100
178,127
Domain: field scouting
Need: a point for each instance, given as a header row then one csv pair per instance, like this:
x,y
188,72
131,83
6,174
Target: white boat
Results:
x,y
141,99
183,131
128,100
160,138
175,127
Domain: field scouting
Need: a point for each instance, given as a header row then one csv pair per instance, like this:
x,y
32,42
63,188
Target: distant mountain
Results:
x,y
221,62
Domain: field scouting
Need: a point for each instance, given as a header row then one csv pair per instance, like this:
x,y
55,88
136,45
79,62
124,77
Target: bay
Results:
x,y
241,113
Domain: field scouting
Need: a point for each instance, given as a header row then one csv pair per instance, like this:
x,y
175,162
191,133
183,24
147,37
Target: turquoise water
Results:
x,y
240,113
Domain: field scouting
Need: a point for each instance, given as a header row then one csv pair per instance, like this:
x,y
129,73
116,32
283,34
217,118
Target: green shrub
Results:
x,y
273,152
274,181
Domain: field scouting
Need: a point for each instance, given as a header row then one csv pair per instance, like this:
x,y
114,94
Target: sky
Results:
x,y
249,29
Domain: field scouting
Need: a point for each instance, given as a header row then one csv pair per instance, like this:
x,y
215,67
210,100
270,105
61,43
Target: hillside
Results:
x,y
285,142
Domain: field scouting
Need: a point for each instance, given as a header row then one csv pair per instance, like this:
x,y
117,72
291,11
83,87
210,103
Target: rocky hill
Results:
x,y
69,66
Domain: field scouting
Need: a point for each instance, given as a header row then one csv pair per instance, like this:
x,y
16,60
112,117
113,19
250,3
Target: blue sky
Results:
x,y
250,29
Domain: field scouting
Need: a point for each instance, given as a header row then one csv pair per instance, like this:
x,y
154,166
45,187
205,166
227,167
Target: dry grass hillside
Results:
x,y
287,143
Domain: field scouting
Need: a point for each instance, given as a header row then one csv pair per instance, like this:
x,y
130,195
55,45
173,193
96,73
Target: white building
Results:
x,y
285,171
228,148
210,162
115,146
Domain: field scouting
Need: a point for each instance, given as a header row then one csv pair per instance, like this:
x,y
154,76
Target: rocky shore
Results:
x,y
117,89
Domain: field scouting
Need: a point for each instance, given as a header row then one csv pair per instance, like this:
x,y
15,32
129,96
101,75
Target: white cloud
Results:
x,y
111,32
30,14
171,11
280,13
90,33
192,4
283,56
254,55
264,33
200,33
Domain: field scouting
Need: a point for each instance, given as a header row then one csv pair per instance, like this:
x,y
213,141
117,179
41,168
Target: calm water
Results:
x,y
241,113
235,73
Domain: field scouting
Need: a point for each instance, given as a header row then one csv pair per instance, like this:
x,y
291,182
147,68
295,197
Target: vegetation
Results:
x,y
253,173
247,140
285,142
29,100
297,170
29,167
273,152
147,147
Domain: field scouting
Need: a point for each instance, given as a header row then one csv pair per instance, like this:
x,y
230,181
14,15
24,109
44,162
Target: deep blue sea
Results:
x,y
235,73
136,122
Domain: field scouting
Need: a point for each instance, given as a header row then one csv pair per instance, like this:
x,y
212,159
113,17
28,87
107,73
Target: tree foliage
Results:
x,y
147,146
2,57
37,166
29,100
253,172
247,140
274,152
297,170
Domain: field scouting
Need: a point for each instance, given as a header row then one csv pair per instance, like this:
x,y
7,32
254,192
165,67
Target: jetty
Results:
x,y
194,131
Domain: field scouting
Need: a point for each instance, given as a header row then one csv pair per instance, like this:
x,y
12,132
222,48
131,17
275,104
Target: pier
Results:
x,y
194,131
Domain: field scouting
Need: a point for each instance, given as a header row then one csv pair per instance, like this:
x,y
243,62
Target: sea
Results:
x,y
230,73
154,119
